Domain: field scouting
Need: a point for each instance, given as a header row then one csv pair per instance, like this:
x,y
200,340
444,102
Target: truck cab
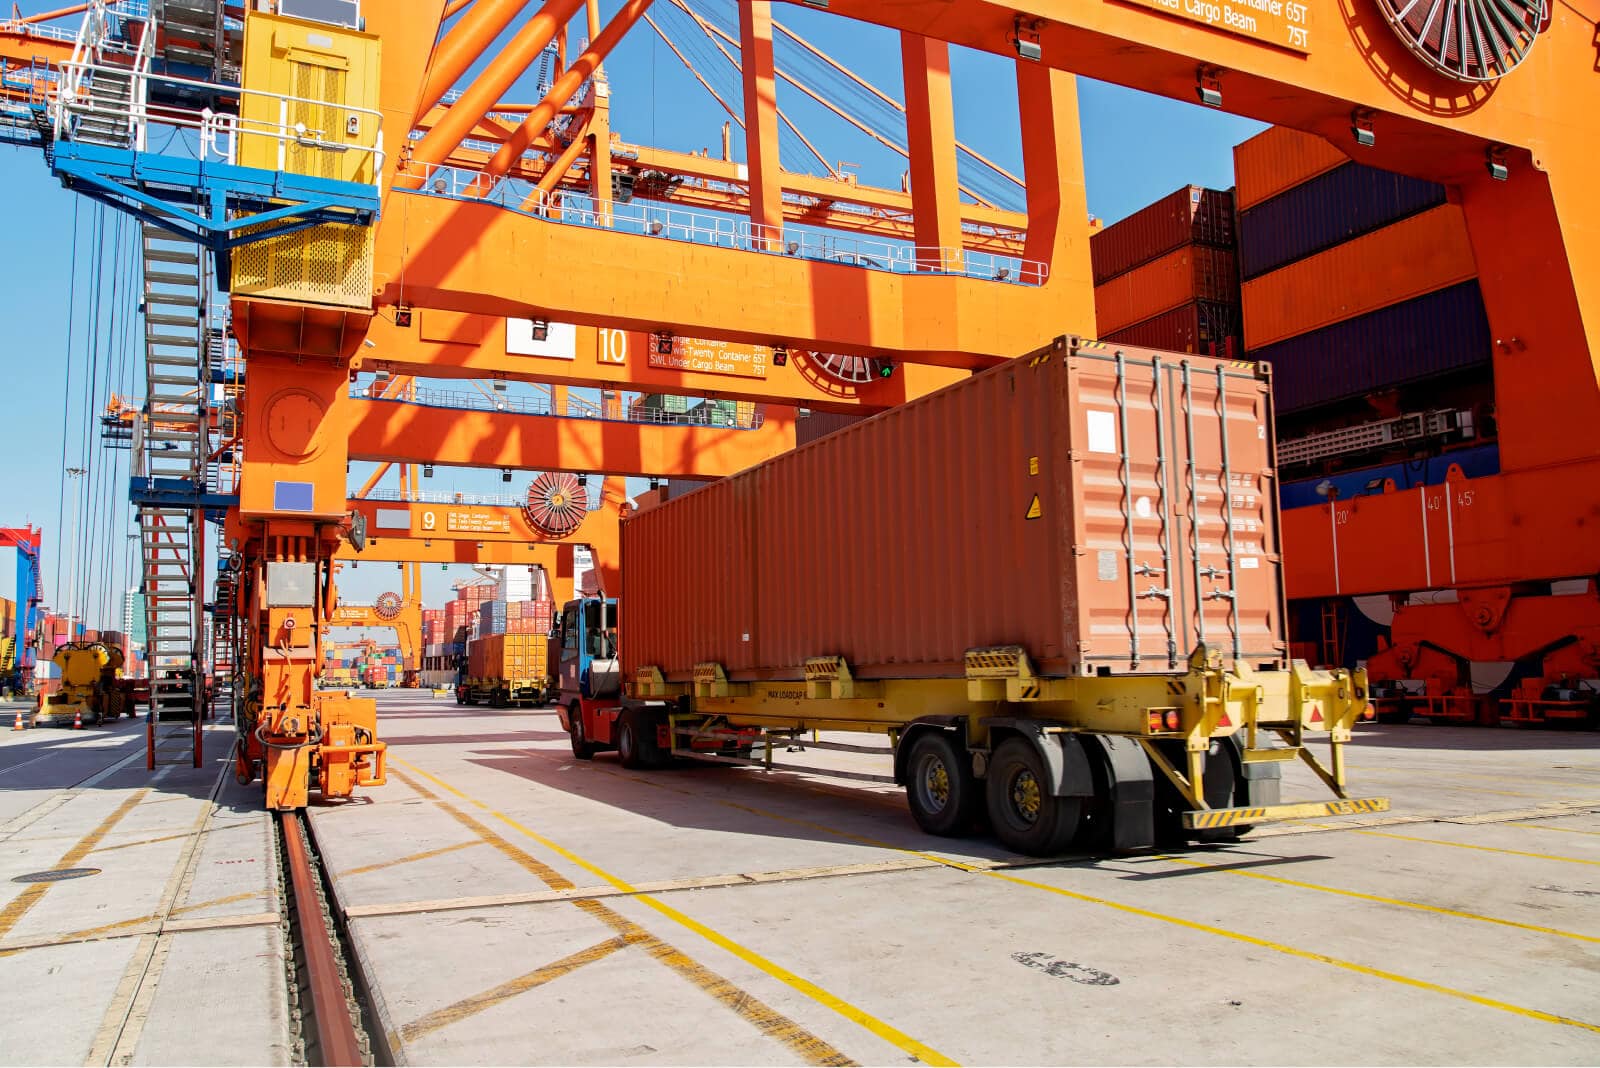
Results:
x,y
588,673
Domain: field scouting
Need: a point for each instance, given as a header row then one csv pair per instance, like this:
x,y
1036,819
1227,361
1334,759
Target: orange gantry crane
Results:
x,y
477,263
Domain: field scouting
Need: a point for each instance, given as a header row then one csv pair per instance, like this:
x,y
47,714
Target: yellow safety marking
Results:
x,y
20,905
488,999
1302,954
141,842
764,1018
1034,510
1401,902
214,902
1542,827
1481,848
899,1039
1033,465
424,855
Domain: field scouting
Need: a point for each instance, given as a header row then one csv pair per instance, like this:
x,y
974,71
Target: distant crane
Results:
x,y
17,655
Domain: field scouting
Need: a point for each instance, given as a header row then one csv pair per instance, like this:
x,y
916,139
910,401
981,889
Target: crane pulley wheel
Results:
x,y
556,504
1468,40
850,370
387,606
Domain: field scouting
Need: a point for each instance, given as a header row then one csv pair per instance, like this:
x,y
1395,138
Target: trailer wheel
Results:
x,y
940,789
1026,816
582,748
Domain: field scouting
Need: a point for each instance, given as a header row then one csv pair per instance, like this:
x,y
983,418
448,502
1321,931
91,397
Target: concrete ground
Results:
x,y
514,905
170,951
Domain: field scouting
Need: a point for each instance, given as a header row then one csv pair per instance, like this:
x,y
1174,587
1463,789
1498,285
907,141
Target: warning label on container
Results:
x,y
1034,510
712,357
1284,23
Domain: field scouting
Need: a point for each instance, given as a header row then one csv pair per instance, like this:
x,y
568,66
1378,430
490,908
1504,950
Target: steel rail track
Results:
x,y
335,1011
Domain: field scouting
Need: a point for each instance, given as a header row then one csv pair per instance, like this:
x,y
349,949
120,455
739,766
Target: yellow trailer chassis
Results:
x,y
1100,761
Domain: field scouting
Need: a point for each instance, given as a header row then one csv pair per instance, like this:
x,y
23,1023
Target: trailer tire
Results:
x,y
1027,818
941,791
582,748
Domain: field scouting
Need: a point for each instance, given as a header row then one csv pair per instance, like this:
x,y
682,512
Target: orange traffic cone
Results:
x,y
18,725
77,720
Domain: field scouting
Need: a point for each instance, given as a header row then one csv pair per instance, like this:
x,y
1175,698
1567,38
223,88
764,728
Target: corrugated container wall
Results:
x,y
1277,159
1191,273
1191,216
820,425
1413,257
1344,203
1436,334
1194,327
1050,556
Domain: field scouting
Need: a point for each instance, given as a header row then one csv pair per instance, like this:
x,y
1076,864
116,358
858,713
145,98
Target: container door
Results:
x,y
1228,578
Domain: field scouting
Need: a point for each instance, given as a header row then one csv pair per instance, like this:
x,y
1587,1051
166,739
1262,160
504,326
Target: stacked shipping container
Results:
x,y
1356,281
1167,275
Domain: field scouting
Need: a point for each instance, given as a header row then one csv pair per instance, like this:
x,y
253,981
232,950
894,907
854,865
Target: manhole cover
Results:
x,y
56,876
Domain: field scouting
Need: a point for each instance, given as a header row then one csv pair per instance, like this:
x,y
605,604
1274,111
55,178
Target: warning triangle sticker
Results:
x,y
1034,510
1316,713
1223,720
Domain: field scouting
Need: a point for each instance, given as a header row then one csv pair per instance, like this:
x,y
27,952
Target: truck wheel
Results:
x,y
1026,816
940,789
628,742
582,748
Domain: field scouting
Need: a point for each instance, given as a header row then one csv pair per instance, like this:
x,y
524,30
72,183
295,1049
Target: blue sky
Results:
x,y
1136,149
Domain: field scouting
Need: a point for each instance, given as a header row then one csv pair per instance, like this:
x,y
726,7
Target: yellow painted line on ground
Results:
x,y
1362,969
477,1003
20,905
897,1038
424,855
763,1017
1380,899
214,902
1480,848
1534,826
141,842
1302,954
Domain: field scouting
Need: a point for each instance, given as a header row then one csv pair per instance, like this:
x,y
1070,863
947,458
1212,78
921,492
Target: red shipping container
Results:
x,y
1187,274
1191,216
1056,560
1194,327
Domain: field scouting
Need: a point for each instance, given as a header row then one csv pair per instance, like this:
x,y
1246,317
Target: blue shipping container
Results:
x,y
1430,335
1329,210
1475,462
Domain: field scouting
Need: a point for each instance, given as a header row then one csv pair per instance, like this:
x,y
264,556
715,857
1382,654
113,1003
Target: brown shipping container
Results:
x,y
1191,216
1419,255
1194,272
997,511
1277,160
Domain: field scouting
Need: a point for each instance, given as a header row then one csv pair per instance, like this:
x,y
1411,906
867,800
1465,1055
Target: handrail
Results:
x,y
722,231
220,133
702,415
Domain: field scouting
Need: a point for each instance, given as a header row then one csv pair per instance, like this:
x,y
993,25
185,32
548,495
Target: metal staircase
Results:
x,y
197,33
171,452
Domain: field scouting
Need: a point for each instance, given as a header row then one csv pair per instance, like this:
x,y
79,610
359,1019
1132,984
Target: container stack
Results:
x,y
491,618
1167,276
528,617
433,624
1356,283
